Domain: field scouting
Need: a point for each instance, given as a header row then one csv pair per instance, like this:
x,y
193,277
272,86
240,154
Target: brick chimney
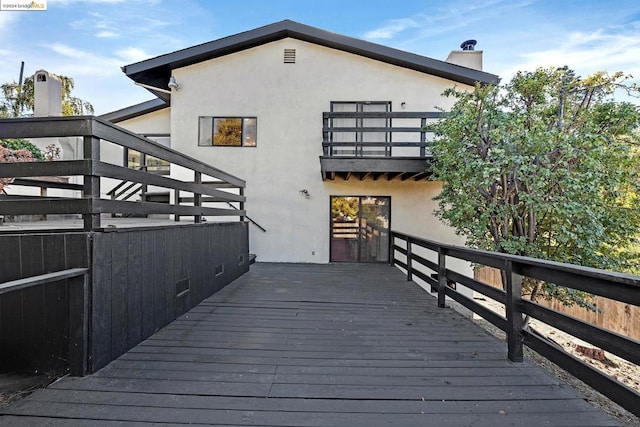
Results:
x,y
467,56
47,95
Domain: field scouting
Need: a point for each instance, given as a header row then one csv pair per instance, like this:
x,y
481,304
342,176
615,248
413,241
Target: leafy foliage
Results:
x,y
9,155
23,144
18,101
345,208
545,166
228,131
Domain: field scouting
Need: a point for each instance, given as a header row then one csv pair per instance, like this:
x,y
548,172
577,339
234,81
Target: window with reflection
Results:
x,y
227,131
150,163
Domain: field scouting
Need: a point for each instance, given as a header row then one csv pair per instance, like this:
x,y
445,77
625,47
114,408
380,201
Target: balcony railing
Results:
x,y
376,144
378,134
194,178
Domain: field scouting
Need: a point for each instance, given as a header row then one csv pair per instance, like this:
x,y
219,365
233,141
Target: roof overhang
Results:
x,y
156,71
135,110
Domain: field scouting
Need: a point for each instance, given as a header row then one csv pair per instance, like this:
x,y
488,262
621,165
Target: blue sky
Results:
x,y
90,40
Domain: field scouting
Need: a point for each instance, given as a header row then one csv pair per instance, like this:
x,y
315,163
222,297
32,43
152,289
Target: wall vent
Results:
x,y
183,287
289,56
219,270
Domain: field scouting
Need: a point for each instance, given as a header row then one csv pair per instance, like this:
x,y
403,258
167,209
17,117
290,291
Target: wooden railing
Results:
x,y
204,180
28,305
403,134
427,260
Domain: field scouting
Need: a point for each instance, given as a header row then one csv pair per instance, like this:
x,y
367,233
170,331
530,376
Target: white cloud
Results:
x,y
66,2
106,34
133,54
605,49
76,62
391,29
7,19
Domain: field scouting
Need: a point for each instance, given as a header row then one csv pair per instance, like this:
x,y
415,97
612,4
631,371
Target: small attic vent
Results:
x,y
289,56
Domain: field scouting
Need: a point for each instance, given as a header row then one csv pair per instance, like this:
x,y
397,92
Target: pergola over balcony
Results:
x,y
377,145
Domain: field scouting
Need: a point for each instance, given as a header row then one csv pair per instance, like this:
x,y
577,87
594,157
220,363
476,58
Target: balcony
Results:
x,y
377,145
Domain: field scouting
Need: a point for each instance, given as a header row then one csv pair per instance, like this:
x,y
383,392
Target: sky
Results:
x,y
90,40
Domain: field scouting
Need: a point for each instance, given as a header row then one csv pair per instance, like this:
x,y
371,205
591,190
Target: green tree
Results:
x,y
23,144
18,101
9,155
344,208
545,166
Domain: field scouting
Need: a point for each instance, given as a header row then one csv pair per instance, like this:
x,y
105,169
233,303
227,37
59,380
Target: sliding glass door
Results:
x,y
360,228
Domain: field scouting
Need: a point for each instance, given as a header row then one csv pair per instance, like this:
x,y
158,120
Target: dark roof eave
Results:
x,y
156,71
135,110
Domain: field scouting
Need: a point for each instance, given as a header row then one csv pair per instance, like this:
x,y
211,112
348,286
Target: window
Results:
x,y
228,131
360,139
151,164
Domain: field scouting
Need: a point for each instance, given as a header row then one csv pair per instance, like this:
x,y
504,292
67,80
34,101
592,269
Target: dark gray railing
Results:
x,y
90,204
414,253
27,306
407,136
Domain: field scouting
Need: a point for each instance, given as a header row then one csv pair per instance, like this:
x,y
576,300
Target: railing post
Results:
x,y
327,150
423,137
143,187
176,194
197,197
91,183
442,277
392,253
409,257
79,325
242,205
515,321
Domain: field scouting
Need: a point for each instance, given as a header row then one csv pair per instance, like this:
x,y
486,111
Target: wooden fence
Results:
x,y
613,315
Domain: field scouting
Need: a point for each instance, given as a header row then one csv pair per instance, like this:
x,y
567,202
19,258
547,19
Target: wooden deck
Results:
x,y
314,345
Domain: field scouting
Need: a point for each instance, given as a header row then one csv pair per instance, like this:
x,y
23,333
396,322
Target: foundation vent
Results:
x,y
289,56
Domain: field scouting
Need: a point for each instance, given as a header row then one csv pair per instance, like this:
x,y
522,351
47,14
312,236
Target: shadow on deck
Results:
x,y
314,345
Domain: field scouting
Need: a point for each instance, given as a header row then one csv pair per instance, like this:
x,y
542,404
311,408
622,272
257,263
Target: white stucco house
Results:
x,y
327,131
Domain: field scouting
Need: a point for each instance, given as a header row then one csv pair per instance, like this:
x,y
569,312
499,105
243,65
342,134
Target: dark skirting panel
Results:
x,y
139,280
145,278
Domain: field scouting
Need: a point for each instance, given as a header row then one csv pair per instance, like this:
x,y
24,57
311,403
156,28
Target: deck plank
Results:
x,y
313,345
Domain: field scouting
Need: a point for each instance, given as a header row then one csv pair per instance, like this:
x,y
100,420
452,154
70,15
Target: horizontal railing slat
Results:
x,y
613,389
45,206
383,114
617,344
391,129
126,207
126,174
54,168
486,290
19,284
490,316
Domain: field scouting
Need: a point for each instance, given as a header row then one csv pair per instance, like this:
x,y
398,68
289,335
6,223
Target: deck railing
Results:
x,y
428,261
201,179
378,134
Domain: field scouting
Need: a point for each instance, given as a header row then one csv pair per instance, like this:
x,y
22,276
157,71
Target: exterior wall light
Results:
x,y
305,193
173,84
